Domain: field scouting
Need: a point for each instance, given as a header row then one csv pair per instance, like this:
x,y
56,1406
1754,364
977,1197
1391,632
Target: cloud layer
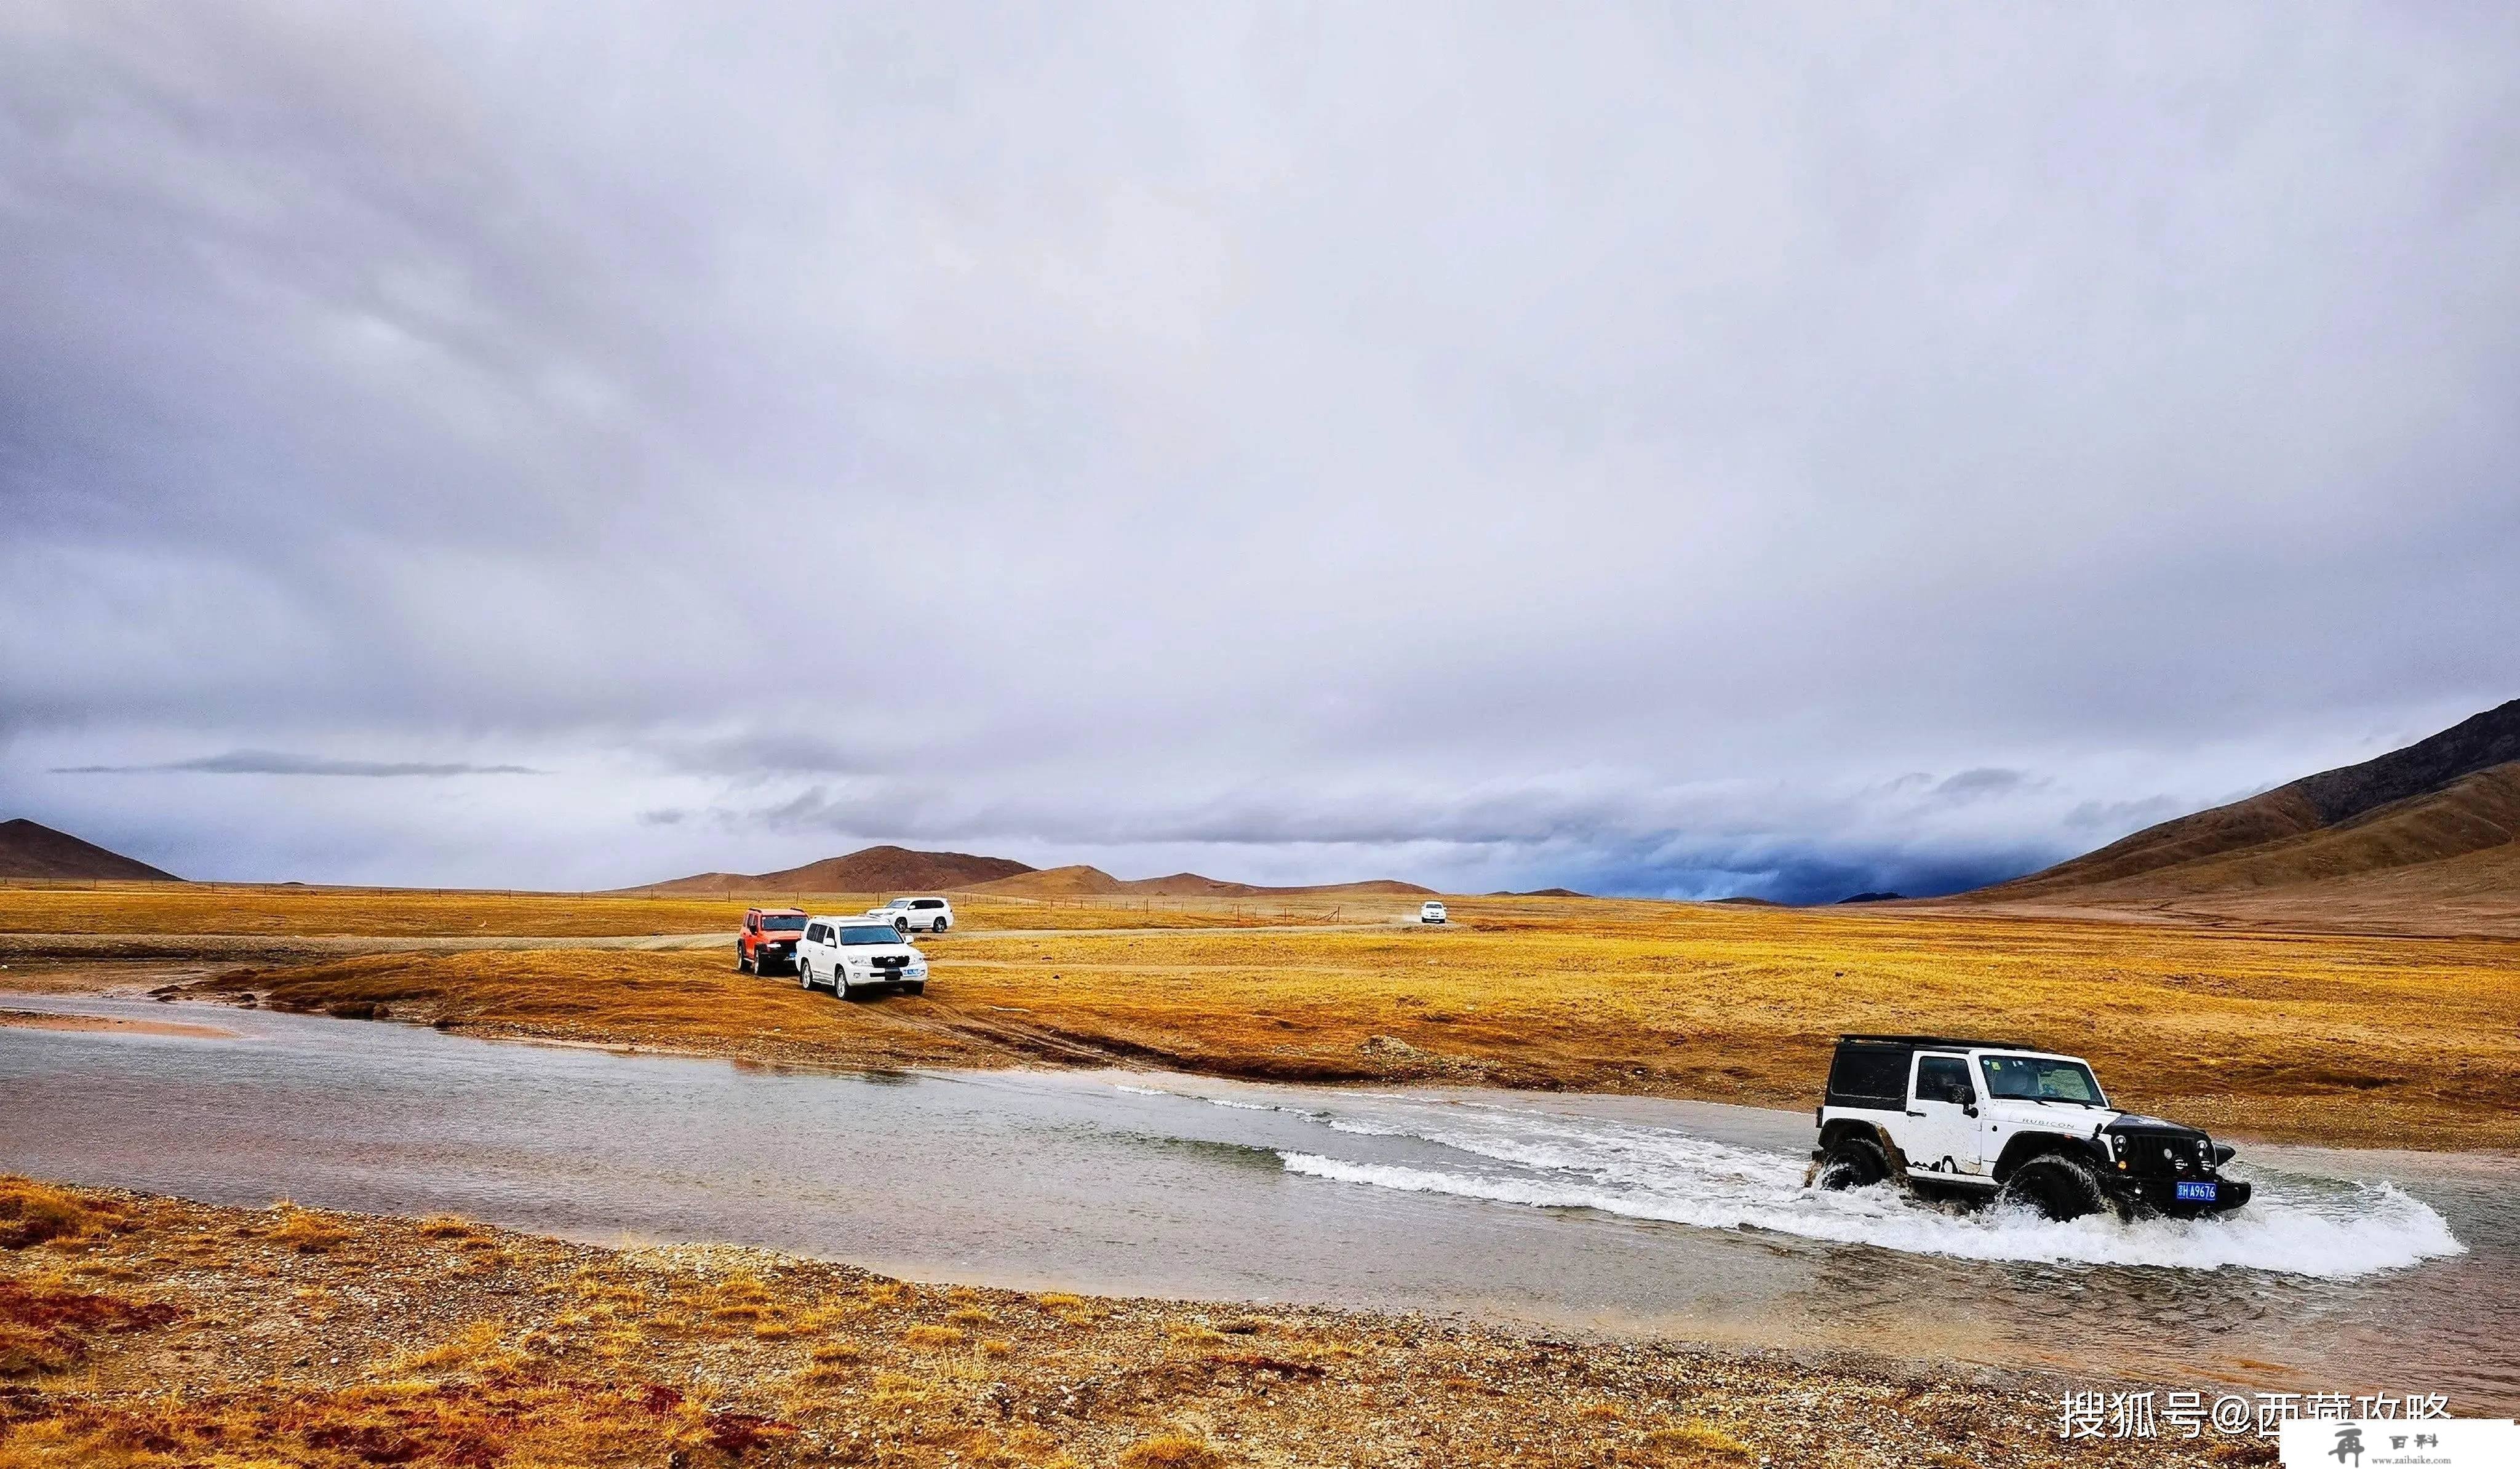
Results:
x,y
1761,450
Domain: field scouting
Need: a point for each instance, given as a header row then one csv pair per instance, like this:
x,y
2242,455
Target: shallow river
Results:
x,y
2351,1272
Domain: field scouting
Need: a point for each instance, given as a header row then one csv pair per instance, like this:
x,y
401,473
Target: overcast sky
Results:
x,y
1689,450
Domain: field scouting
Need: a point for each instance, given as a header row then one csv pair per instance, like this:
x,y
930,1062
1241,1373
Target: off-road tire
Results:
x,y
839,981
917,987
747,963
804,975
1854,1163
901,926
2059,1185
941,925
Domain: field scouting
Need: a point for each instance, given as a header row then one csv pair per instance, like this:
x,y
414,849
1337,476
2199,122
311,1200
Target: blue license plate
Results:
x,y
2198,1193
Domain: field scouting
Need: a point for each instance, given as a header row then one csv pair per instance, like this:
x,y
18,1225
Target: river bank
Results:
x,y
2336,1040
153,1330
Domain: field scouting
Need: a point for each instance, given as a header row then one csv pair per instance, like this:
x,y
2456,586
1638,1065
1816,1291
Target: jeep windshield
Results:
x,y
871,933
2039,1079
783,922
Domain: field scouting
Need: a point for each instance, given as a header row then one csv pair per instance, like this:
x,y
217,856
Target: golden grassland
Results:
x,y
144,1333
198,908
2311,1037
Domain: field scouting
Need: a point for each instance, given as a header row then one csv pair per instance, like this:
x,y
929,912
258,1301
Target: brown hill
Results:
x,y
30,850
1073,881
1085,882
2421,839
876,870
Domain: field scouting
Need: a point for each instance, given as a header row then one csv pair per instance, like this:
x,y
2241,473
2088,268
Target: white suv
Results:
x,y
1430,912
1976,1121
858,955
917,915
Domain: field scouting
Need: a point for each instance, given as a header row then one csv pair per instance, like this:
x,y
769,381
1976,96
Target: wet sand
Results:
x,y
114,1024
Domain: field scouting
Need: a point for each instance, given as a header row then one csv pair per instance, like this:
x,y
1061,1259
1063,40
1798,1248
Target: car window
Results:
x,y
1868,1076
1944,1079
2040,1079
929,903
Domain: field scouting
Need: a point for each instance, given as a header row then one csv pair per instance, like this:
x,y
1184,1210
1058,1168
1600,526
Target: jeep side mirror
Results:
x,y
1969,1108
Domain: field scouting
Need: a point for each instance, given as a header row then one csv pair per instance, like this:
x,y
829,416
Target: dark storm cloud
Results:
x,y
1986,780
1652,449
272,763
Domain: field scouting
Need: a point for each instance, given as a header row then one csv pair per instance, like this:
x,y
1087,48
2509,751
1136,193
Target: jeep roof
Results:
x,y
1953,1043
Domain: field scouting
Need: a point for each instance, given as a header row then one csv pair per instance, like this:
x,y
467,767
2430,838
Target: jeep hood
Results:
x,y
2135,1122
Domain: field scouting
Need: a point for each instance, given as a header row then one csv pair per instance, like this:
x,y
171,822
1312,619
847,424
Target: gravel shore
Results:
x,y
140,1330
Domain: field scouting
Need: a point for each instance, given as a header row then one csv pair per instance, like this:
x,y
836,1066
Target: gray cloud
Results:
x,y
1985,780
274,762
1619,450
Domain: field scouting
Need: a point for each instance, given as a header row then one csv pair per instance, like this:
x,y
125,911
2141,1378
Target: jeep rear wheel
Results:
x,y
1854,1163
2058,1186
745,963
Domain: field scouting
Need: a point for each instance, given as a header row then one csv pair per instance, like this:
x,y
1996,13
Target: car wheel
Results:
x,y
2058,1186
839,981
1854,1163
749,964
739,958
943,924
901,926
917,987
804,975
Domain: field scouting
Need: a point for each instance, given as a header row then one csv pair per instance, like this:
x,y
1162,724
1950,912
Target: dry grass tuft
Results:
x,y
1170,1451
1698,1441
34,1213
307,1231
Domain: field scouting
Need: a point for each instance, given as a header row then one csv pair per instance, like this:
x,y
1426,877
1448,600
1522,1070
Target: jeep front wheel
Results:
x,y
2058,1186
1854,1163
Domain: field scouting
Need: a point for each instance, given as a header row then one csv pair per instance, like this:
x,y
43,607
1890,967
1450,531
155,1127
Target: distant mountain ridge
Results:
x,y
898,869
2429,831
1085,882
874,870
28,849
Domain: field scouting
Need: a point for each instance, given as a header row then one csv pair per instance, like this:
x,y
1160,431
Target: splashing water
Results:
x,y
2293,1225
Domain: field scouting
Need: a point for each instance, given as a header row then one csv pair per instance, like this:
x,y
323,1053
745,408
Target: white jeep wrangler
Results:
x,y
1980,1120
917,915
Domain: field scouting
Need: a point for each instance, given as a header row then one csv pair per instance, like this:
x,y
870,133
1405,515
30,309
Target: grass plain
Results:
x,y
145,1333
2325,1038
288,910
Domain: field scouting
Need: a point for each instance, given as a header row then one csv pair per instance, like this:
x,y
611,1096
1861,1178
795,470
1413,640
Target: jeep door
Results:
x,y
1941,1135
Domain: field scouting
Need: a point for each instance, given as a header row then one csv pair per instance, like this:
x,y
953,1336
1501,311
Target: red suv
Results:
x,y
767,942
